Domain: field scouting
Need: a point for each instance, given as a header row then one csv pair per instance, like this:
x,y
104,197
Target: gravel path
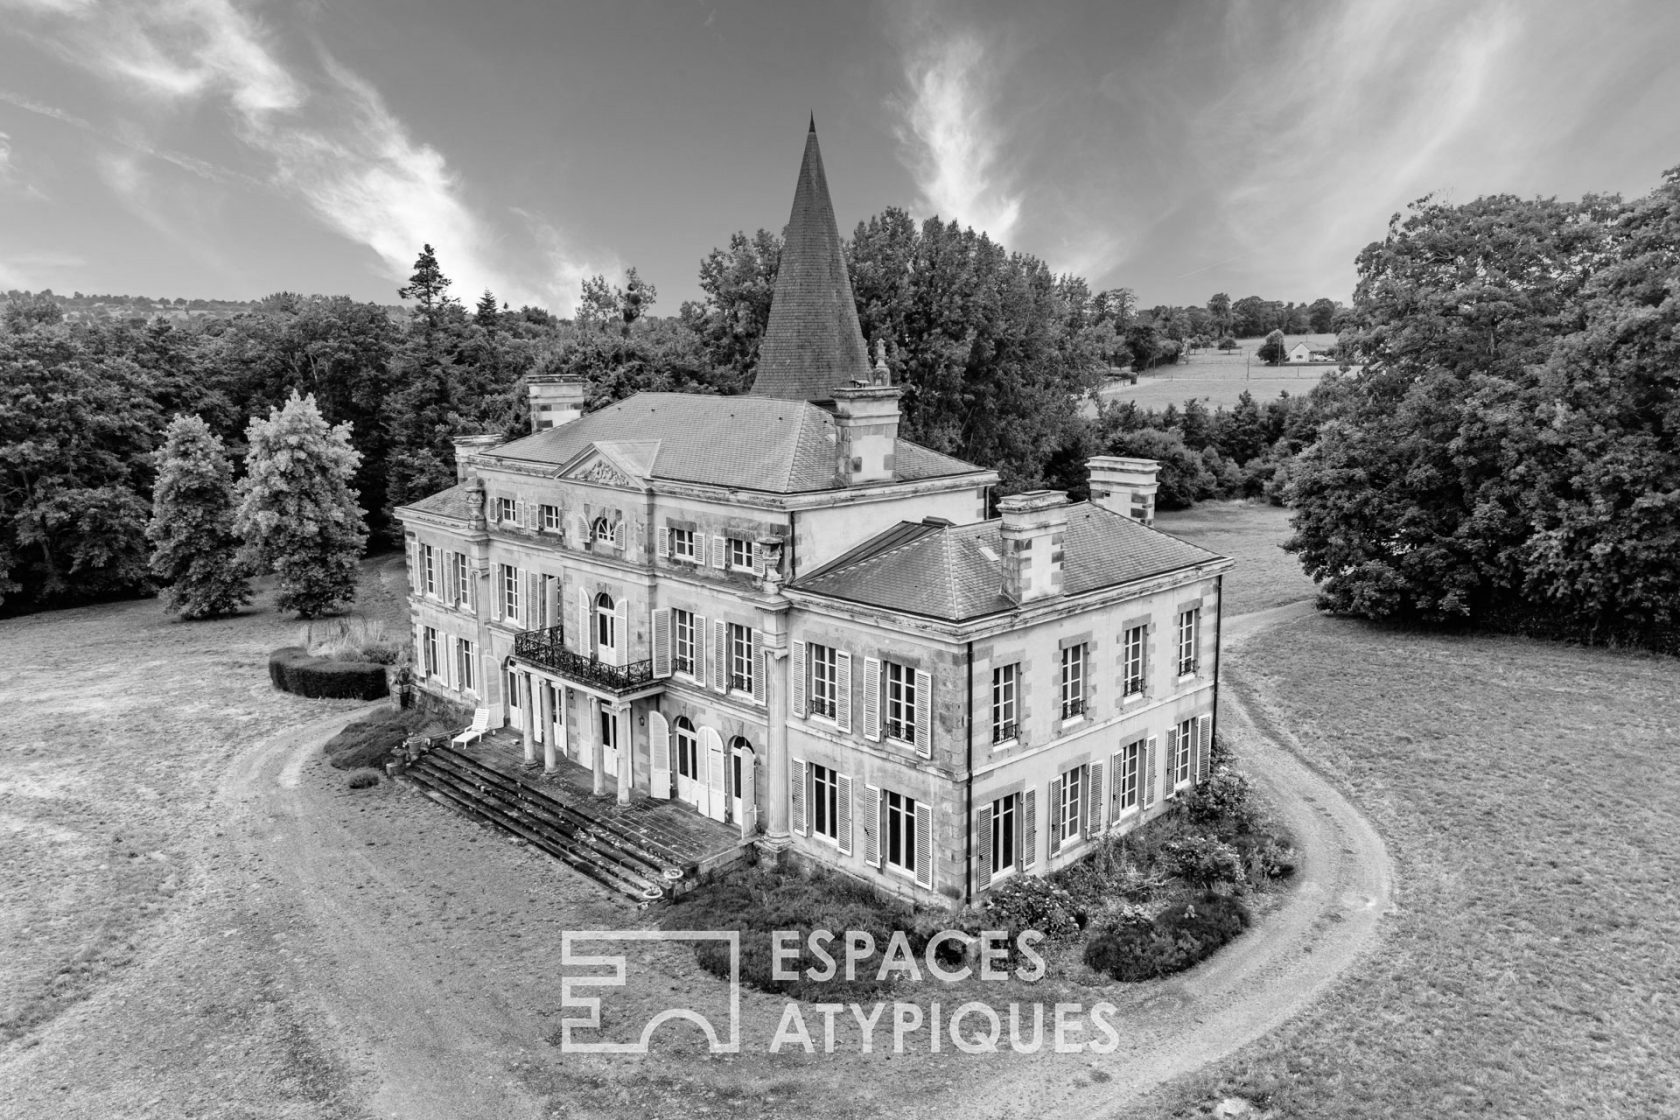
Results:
x,y
328,953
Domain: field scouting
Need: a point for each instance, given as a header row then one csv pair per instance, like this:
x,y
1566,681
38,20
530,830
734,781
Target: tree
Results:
x,y
194,548
421,413
296,511
1227,343
1272,351
728,323
1321,316
1219,307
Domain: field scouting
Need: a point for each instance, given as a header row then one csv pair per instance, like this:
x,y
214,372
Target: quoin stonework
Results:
x,y
775,609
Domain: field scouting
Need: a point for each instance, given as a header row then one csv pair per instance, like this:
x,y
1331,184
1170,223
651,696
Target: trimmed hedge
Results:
x,y
293,670
1182,935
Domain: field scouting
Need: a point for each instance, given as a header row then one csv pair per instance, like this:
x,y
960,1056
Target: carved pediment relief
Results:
x,y
598,470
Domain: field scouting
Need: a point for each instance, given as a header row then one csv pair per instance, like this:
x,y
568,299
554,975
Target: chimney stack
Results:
x,y
1125,486
467,450
554,401
867,418
1034,530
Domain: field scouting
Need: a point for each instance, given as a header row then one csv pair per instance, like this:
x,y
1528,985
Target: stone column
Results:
x,y
547,709
626,750
773,626
592,736
528,718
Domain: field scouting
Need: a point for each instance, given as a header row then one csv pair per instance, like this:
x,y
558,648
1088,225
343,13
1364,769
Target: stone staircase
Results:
x,y
621,851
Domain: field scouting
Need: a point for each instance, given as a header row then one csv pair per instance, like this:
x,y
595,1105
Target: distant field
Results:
x,y
1252,534
1219,378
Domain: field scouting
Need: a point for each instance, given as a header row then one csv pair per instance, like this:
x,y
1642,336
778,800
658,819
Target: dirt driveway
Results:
x,y
277,945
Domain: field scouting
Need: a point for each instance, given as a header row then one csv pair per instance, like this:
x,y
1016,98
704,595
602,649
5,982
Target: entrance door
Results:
x,y
716,801
740,766
691,785
609,645
609,741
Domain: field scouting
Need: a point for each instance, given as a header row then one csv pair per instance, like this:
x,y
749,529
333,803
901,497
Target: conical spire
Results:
x,y
813,342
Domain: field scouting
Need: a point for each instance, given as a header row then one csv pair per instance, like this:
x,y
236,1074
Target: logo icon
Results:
x,y
571,999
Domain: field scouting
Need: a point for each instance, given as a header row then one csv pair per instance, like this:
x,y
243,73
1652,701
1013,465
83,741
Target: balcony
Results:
x,y
1073,708
546,649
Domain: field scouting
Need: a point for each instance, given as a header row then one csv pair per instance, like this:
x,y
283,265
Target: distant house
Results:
x,y
1302,353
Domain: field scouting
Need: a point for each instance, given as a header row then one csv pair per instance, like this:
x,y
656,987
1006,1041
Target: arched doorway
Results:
x,y
742,797
691,781
606,629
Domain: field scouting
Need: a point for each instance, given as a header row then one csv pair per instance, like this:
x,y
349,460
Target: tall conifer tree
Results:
x,y
194,548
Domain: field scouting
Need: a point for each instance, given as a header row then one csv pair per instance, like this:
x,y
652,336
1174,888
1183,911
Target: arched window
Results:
x,y
601,532
741,755
688,749
606,623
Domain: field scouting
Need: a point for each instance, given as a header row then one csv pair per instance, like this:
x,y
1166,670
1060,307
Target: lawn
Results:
x,y
1219,378
1530,795
1251,533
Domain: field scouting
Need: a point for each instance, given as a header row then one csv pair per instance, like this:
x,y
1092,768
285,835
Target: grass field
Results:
x,y
1530,795
1219,378
1252,534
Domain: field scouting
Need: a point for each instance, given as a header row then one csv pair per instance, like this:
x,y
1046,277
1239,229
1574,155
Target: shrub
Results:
x,y
1203,861
353,639
363,779
1111,870
1224,801
1028,902
368,742
293,670
1264,856
1182,935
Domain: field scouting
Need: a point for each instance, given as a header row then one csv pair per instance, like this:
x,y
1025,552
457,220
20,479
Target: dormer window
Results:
x,y
601,531
740,554
506,510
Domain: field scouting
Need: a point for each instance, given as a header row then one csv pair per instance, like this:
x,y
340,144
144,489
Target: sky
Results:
x,y
235,148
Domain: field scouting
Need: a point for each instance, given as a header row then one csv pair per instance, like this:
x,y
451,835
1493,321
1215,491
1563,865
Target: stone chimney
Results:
x,y
467,450
554,401
1125,486
867,419
1034,530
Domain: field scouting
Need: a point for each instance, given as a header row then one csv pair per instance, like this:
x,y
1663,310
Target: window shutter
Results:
x,y
717,771
871,826
924,714
983,842
708,668
843,812
1148,781
798,680
720,664
1029,827
533,600
1204,745
472,586
758,553
796,794
414,583
659,754
843,690
663,543
586,629
1093,800
1171,768
1116,780
618,533
1054,812
872,699
700,549
720,552
499,574
924,845
533,515
621,631
749,795
760,663
581,524
661,630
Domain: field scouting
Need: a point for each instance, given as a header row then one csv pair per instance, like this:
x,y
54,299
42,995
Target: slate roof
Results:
x,y
453,502
955,572
812,342
747,443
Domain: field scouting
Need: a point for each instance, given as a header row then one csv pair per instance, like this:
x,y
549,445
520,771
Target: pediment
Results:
x,y
605,466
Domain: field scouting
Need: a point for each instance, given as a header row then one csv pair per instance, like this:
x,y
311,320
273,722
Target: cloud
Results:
x,y
331,140
949,136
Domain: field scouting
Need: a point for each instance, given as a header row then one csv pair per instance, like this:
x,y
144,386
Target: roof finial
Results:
x,y
813,127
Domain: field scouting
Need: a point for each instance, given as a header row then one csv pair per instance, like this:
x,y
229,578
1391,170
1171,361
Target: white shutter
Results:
x,y
708,648
661,631
1116,782
749,795
499,574
1148,778
760,666
414,584
472,587
663,545
1093,799
1053,813
796,795
1170,787
1204,744
983,826
843,813
924,714
843,690
533,600
1029,827
659,753
582,525
700,549
924,845
720,552
758,554
621,631
720,635
871,826
585,640
618,533
872,699
797,689
717,767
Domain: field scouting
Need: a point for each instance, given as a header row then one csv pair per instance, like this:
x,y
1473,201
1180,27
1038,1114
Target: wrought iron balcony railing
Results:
x,y
1134,687
1074,707
547,649
822,706
1003,732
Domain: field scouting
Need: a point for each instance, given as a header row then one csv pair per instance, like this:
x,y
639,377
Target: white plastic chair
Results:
x,y
480,727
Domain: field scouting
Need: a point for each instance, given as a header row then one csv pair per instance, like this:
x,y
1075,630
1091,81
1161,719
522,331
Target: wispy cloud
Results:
x,y
329,136
950,138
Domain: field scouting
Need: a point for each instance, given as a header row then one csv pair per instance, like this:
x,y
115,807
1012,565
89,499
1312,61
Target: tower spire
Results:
x,y
812,343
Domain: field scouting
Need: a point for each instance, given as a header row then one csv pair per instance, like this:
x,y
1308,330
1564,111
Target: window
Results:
x,y
506,510
688,749
740,554
1180,762
1005,819
682,641
551,518
606,624
1132,666
429,651
601,531
1189,624
682,545
825,802
901,832
740,756
510,592
1129,777
1006,691
469,681
1068,818
740,657
609,729
825,680
1073,681
901,702
458,578
428,564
